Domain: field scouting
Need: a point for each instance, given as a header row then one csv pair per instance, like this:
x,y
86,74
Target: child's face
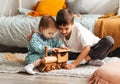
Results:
x,y
48,33
65,30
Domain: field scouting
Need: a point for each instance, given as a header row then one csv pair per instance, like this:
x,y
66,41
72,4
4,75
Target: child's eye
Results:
x,y
60,29
66,28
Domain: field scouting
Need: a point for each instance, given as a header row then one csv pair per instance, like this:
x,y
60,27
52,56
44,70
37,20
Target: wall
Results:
x,y
27,3
10,7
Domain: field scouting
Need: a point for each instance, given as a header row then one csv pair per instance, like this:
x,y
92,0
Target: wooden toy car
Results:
x,y
57,60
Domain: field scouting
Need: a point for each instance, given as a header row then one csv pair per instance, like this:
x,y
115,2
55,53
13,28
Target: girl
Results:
x,y
39,40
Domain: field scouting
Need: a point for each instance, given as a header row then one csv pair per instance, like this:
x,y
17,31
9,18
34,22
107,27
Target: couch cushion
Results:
x,y
93,6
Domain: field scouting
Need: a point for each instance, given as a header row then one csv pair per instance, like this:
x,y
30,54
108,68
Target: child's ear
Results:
x,y
40,29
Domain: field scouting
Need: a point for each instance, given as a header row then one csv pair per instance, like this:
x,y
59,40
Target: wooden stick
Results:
x,y
46,51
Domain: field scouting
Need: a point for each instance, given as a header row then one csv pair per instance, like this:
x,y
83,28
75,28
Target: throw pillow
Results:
x,y
49,7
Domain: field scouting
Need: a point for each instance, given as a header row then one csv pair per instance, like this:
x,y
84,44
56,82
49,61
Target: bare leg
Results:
x,y
37,63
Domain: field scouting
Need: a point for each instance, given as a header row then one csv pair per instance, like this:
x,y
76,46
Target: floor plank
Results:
x,y
6,78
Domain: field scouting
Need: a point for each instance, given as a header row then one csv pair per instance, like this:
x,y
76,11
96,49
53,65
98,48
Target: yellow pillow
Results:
x,y
49,7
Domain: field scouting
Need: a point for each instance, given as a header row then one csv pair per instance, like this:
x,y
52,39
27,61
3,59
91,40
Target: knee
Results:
x,y
109,40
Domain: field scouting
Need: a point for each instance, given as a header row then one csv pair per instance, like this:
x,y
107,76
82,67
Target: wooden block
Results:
x,y
62,50
62,57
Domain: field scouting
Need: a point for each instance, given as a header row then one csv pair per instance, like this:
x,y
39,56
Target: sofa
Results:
x,y
14,29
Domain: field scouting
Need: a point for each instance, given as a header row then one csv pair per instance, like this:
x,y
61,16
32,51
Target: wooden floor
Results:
x,y
19,78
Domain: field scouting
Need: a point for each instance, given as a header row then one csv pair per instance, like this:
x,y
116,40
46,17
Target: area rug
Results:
x,y
15,62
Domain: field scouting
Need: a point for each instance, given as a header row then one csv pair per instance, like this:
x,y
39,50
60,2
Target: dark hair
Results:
x,y
47,21
64,17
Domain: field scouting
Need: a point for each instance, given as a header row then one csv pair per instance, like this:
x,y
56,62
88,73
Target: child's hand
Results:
x,y
70,66
64,47
54,49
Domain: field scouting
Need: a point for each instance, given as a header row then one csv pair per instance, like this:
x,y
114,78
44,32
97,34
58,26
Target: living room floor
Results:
x,y
21,78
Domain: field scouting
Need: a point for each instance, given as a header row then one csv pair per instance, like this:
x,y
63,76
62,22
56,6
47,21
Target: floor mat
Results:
x,y
14,63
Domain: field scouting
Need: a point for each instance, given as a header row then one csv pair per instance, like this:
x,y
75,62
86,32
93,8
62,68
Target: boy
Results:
x,y
84,45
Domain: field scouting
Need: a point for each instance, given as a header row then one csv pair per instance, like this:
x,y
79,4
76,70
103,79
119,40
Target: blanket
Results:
x,y
15,62
108,26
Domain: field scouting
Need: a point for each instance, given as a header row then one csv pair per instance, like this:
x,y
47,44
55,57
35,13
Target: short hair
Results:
x,y
47,21
64,17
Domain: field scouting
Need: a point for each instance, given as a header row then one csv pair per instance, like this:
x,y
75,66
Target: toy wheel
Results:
x,y
47,68
58,66
63,65
52,67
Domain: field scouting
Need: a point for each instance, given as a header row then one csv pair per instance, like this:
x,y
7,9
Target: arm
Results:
x,y
30,34
81,56
36,44
57,43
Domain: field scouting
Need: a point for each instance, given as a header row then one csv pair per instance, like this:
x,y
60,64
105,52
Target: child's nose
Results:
x,y
63,31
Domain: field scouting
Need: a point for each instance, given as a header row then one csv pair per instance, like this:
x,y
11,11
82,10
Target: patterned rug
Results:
x,y
14,63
